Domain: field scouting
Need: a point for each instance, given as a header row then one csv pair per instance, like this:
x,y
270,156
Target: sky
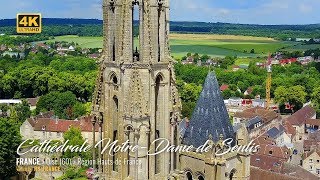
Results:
x,y
229,11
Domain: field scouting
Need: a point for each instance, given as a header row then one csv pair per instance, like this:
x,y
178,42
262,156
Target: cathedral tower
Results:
x,y
135,97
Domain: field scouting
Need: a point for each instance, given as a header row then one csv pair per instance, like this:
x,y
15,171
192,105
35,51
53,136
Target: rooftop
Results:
x,y
210,117
299,117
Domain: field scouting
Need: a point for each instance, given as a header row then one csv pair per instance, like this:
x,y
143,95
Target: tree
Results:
x,y
58,102
315,99
252,51
23,111
294,95
10,139
75,138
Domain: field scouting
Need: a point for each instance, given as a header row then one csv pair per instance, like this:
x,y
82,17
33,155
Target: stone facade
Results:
x,y
136,98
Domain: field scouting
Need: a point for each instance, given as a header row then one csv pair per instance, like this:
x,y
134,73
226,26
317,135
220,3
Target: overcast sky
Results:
x,y
232,11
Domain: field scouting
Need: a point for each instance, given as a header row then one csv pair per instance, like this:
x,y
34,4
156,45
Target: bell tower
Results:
x,y
135,97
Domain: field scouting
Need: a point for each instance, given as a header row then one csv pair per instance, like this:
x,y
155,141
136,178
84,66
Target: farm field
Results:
x,y
212,45
302,47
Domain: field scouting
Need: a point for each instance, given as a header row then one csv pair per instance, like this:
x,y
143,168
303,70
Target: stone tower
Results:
x,y
135,97
210,123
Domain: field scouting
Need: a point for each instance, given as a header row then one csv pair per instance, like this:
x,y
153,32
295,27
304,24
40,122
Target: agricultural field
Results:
x,y
212,45
302,47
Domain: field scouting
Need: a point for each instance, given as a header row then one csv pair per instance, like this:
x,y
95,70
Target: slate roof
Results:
x,y
273,132
253,121
210,116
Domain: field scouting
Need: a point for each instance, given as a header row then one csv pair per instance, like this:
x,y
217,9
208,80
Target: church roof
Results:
x,y
210,116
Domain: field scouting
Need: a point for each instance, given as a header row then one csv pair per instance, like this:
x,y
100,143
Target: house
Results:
x,y
234,101
189,60
279,135
311,161
33,102
287,61
298,119
312,142
289,129
224,87
235,67
94,56
45,128
266,115
305,60
246,102
289,173
259,103
248,91
270,157
253,123
312,125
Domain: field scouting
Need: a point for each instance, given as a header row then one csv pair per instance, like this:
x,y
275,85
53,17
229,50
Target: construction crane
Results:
x,y
268,84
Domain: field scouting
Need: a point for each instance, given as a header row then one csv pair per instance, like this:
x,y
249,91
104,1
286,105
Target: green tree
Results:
x,y
294,95
75,138
23,111
315,99
9,141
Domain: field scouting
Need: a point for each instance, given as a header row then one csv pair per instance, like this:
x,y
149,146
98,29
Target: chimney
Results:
x,y
57,119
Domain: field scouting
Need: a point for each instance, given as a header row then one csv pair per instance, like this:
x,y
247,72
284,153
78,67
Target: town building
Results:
x,y
311,162
298,120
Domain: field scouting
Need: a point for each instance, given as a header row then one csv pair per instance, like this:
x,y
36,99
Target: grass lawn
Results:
x,y
212,45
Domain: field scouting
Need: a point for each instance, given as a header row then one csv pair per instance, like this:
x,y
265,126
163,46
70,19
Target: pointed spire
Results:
x,y
213,122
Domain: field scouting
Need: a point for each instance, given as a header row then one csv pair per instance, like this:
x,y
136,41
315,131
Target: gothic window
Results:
x,y
114,154
135,29
157,157
189,176
233,171
160,6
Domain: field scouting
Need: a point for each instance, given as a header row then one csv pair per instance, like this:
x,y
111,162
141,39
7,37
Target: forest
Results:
x,y
93,27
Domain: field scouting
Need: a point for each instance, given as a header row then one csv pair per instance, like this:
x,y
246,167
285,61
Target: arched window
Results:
x,y
200,178
114,80
158,108
232,173
189,176
135,29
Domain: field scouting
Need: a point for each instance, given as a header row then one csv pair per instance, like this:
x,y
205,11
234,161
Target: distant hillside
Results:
x,y
93,27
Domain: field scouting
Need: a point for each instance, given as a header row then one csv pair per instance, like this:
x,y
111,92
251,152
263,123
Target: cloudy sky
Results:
x,y
232,11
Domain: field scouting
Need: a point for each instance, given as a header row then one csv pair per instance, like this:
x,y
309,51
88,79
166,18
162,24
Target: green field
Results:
x,y
302,47
246,61
213,45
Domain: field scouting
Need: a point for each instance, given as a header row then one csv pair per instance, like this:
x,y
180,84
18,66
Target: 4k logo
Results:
x,y
28,23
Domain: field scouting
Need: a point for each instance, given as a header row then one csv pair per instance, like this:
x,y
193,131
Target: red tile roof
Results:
x,y
224,87
314,122
61,125
260,174
299,117
289,129
266,115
